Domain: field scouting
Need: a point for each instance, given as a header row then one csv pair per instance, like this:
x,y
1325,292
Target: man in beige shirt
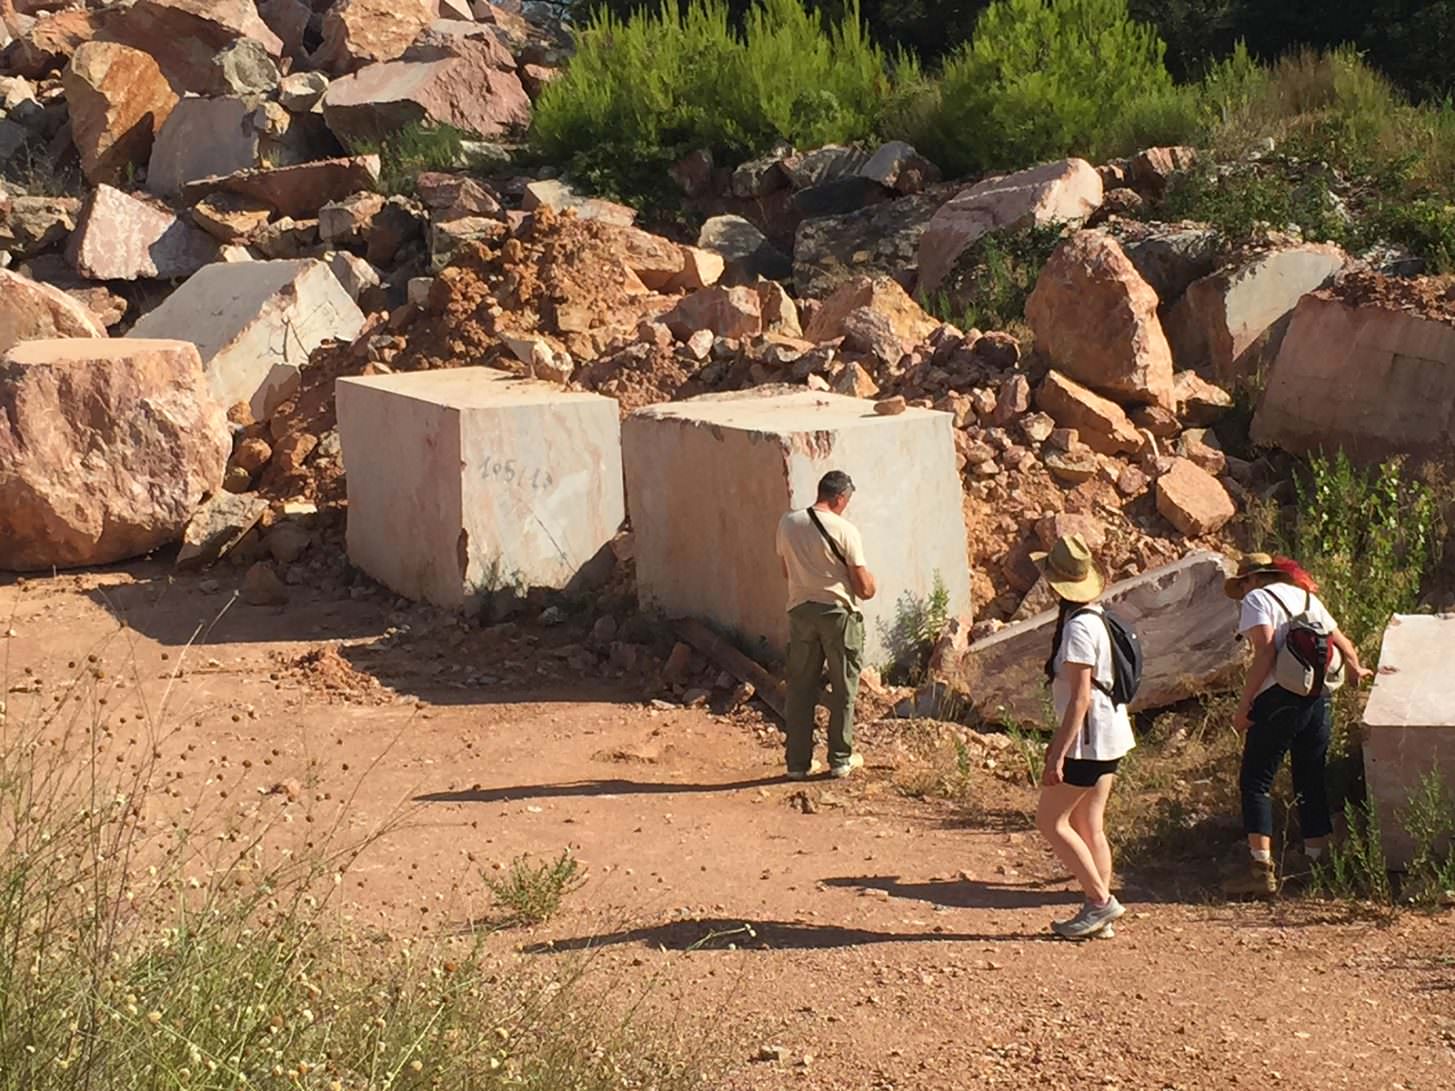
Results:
x,y
823,558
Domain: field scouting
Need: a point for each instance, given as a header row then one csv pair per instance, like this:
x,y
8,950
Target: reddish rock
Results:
x,y
536,78
1200,446
185,36
871,332
1152,169
907,318
1193,500
780,313
202,138
1162,423
559,197
1199,402
1060,524
1096,319
1099,423
32,311
228,217
297,191
727,312
120,237
656,261
855,382
118,99
106,448
29,225
47,45
700,269
361,32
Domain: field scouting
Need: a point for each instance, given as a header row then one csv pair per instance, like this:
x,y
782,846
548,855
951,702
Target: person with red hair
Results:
x,y
1280,598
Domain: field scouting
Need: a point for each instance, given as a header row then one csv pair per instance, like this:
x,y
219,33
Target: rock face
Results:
x,y
1063,192
1193,500
106,448
1096,319
904,317
202,138
122,238
31,311
118,99
298,191
1232,322
881,240
1369,379
254,324
1185,622
469,83
29,225
186,36
360,32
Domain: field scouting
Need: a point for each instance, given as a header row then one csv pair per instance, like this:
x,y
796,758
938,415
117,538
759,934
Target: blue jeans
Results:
x,y
1286,723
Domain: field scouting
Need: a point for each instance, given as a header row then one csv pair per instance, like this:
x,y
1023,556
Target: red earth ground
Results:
x,y
881,942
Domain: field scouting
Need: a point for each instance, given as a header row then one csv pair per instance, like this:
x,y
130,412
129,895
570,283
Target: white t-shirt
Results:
x,y
1261,607
814,573
1107,732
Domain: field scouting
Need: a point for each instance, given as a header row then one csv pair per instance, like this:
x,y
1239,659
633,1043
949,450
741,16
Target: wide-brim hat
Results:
x,y
1069,569
1252,564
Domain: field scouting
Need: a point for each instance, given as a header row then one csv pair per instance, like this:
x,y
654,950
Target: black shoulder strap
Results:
x,y
1105,688
833,545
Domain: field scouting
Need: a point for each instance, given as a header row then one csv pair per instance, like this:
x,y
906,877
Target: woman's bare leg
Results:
x,y
1053,819
1088,819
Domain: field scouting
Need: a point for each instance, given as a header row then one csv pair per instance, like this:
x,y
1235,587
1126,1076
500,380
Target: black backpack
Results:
x,y
1126,658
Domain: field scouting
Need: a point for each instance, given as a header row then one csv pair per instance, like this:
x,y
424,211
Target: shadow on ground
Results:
x,y
602,788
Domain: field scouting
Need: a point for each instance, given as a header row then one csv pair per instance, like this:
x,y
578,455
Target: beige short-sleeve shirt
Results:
x,y
814,573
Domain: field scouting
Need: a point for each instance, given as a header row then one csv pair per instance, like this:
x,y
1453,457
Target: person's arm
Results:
x,y
1264,653
1078,676
1351,657
863,580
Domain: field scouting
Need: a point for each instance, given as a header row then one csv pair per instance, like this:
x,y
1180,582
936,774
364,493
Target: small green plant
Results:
x,y
918,623
1355,870
1429,819
531,893
411,151
988,287
1029,746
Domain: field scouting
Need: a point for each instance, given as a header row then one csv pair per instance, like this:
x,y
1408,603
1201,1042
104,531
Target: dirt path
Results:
x,y
882,943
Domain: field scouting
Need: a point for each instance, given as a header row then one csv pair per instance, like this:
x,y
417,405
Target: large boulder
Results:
x,y
32,311
361,32
121,237
1231,323
185,37
29,225
746,252
466,82
48,44
106,448
1369,369
1096,319
906,318
297,191
1193,500
1099,422
882,239
118,99
1169,257
1066,191
202,138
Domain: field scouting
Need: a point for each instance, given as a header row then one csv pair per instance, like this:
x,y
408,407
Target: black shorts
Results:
x,y
1081,773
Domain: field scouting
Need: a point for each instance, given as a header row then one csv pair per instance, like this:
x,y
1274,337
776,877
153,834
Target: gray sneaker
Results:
x,y
1089,921
814,769
839,772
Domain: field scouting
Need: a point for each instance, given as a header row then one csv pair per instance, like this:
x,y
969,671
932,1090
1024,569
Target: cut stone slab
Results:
x,y
1187,625
217,526
1066,191
106,448
1096,319
1372,381
118,99
120,237
709,478
202,138
1231,323
298,191
255,324
32,311
1409,724
467,481
1193,500
186,36
746,252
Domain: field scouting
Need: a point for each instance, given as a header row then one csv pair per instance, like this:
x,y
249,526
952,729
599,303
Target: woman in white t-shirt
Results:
x,y
1274,721
1092,737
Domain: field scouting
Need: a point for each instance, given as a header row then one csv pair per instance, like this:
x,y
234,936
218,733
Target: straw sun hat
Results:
x,y
1069,569
1252,564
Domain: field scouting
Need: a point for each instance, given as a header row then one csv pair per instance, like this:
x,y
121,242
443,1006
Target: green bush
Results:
x,y
411,151
1046,78
988,286
643,91
1429,819
532,893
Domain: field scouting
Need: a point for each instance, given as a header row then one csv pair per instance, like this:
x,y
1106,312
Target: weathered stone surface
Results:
x,y
1409,728
217,526
446,237
254,324
897,166
1169,257
839,197
31,311
1369,380
228,217
560,197
1233,321
1199,402
202,138
302,92
244,68
501,481
745,250
727,312
882,240
469,87
1096,319
827,164
118,99
700,269
106,447
288,19
451,195
1186,625
780,313
656,261
186,36
759,177
348,220
120,237
48,44
1193,500
905,317
1066,191
703,536
297,191
1100,422
29,225
355,274
361,32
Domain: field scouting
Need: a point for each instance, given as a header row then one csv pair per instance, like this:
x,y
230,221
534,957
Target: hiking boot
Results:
x,y
1258,879
1089,921
839,772
815,767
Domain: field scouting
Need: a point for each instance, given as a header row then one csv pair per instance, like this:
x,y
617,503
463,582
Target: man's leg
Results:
x,y
843,643
805,665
